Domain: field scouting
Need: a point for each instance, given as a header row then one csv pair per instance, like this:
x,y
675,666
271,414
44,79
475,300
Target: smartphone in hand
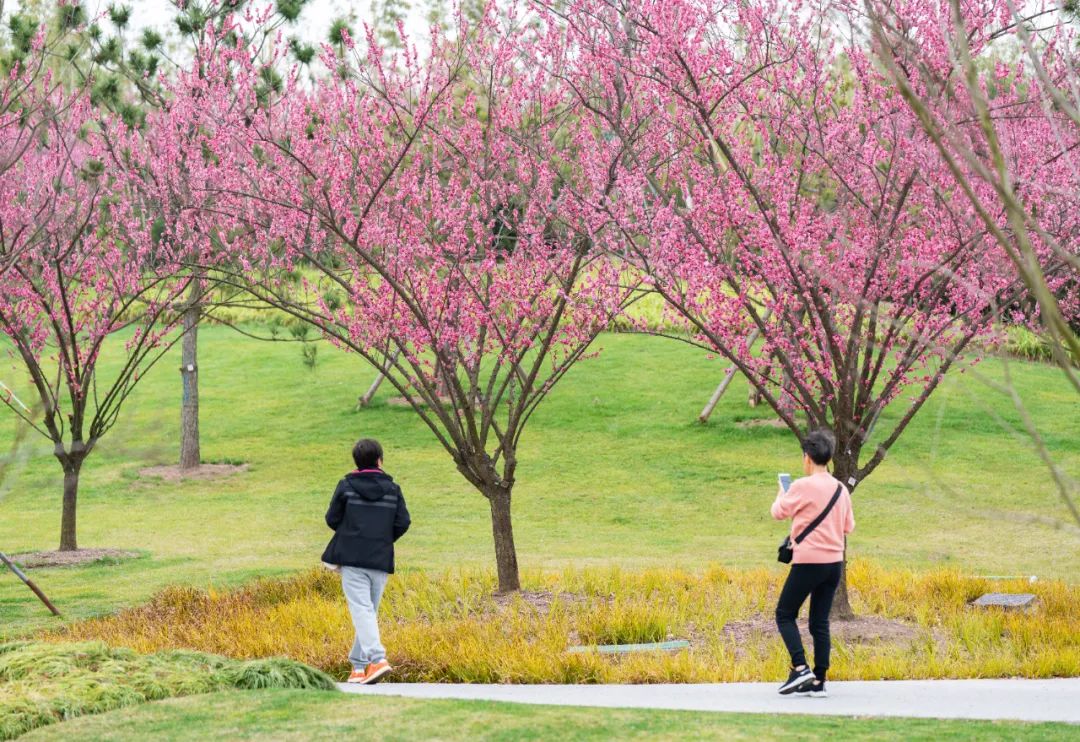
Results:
x,y
785,481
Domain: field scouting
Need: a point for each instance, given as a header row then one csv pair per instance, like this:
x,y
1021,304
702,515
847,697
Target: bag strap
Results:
x,y
817,521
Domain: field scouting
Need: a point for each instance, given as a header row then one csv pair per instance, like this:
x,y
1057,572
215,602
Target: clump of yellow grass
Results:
x,y
452,627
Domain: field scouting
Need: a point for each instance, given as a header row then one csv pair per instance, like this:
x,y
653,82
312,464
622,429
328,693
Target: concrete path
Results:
x,y
1026,700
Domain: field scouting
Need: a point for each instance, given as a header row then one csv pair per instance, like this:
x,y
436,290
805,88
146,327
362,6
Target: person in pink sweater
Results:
x,y
817,562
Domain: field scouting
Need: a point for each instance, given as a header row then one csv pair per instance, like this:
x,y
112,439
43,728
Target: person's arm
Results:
x,y
402,521
849,519
786,503
336,513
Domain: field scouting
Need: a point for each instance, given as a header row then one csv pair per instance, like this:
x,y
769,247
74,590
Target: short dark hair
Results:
x,y
366,453
819,446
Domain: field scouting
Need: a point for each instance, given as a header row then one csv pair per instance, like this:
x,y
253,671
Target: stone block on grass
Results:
x,y
1012,601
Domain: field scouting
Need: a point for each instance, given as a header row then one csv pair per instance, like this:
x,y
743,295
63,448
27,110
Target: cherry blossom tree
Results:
x,y
995,88
1007,128
83,275
424,207
129,79
771,182
32,98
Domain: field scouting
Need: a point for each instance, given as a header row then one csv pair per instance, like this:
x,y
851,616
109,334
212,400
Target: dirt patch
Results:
x,y
540,600
859,630
204,471
77,558
771,422
402,402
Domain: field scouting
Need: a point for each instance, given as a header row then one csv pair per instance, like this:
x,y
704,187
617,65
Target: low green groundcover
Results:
x,y
300,716
45,683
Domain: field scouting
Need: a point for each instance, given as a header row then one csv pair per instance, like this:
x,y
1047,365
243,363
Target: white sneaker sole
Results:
x,y
789,688
375,676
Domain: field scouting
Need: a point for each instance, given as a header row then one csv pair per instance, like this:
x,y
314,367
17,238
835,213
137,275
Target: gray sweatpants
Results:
x,y
363,590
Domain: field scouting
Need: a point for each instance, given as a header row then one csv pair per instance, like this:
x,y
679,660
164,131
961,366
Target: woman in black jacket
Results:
x,y
368,515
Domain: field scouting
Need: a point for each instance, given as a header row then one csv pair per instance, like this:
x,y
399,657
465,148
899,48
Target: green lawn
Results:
x,y
615,470
304,715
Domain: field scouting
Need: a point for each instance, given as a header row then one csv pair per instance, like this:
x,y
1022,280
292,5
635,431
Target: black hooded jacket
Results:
x,y
368,515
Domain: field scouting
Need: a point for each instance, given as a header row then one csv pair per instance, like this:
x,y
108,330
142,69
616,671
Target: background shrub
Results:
x,y
1023,343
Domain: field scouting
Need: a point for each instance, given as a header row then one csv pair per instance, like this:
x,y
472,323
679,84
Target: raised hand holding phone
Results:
x,y
785,481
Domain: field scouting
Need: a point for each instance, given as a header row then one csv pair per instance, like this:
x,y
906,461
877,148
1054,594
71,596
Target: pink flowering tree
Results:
x,y
32,99
131,79
1007,129
772,185
83,280
424,205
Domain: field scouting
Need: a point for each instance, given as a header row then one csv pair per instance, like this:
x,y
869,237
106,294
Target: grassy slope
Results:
x,y
614,470
293,715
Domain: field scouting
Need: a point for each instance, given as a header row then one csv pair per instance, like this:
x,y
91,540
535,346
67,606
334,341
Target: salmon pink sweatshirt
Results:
x,y
803,501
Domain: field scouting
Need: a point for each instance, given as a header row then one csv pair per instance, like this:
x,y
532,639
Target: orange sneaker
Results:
x,y
357,676
375,672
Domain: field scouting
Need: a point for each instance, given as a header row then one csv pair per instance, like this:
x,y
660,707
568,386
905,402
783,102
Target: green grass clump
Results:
x,y
619,623
1023,343
451,627
42,683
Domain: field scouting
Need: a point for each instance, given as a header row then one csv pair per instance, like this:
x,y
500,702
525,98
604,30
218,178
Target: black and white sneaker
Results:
x,y
796,680
814,690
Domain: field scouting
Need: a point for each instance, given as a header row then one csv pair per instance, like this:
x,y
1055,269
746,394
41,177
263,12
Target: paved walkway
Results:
x,y
1027,700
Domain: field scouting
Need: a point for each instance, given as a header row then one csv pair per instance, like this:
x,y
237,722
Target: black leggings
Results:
x,y
819,581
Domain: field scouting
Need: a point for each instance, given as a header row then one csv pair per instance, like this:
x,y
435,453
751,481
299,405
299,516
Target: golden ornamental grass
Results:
x,y
451,627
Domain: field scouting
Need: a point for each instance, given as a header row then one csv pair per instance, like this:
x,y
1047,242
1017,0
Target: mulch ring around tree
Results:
x,y
539,600
402,402
77,558
859,630
203,471
770,422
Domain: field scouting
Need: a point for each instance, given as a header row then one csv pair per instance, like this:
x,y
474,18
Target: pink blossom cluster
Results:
x,y
774,185
1011,131
79,264
433,210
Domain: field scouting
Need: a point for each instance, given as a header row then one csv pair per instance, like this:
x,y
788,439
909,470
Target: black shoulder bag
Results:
x,y
786,551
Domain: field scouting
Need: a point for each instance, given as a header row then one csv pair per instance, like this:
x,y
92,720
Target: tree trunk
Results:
x,y
190,456
68,542
843,466
841,607
503,531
